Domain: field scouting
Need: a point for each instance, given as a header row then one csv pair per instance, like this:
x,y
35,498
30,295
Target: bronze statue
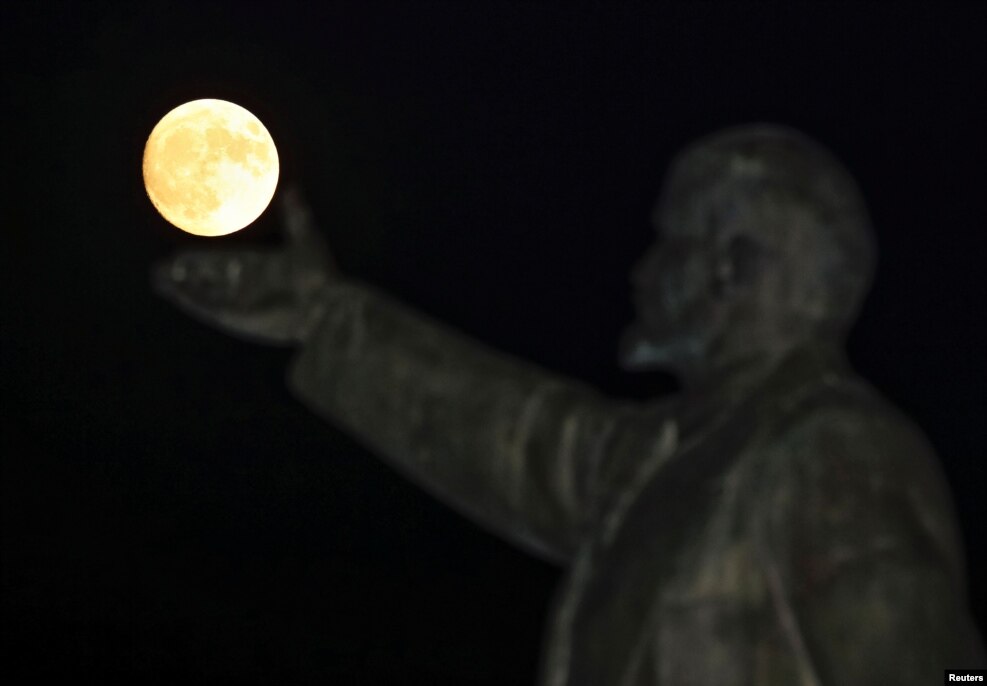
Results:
x,y
777,523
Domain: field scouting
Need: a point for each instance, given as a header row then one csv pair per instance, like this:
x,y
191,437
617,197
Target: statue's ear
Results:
x,y
739,265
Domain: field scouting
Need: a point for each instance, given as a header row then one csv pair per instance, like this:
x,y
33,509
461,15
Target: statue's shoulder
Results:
x,y
847,406
841,405
848,449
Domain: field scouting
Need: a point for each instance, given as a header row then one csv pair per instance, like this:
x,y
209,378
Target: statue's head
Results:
x,y
764,244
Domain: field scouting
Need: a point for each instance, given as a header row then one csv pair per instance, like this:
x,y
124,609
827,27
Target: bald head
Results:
x,y
785,196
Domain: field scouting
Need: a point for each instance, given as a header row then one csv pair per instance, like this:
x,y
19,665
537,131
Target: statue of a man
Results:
x,y
777,523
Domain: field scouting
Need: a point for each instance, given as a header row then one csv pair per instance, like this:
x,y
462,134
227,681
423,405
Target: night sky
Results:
x,y
170,512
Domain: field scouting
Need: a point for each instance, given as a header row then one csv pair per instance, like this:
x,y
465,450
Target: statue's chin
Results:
x,y
639,353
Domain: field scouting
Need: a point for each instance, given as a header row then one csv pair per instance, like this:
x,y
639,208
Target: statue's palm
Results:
x,y
267,296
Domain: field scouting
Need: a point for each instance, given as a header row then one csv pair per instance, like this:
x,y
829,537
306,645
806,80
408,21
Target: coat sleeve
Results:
x,y
513,447
865,569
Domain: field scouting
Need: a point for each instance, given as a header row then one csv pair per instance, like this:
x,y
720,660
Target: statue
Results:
x,y
776,523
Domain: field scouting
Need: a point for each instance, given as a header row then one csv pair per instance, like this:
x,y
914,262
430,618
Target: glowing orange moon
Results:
x,y
210,167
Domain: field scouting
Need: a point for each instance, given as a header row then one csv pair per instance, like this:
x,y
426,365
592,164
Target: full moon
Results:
x,y
210,167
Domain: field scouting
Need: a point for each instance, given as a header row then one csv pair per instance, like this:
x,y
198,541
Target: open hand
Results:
x,y
266,296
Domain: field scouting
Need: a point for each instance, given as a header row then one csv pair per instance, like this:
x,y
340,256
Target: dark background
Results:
x,y
169,511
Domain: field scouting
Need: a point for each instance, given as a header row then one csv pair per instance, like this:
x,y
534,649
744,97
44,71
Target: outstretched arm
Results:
x,y
510,445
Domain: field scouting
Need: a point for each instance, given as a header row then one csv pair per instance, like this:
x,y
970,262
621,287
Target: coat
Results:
x,y
798,531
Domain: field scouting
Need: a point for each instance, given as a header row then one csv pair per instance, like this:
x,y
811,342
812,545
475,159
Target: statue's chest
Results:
x,y
678,543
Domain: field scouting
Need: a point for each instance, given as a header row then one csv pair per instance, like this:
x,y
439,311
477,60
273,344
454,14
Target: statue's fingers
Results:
x,y
242,293
207,279
297,215
305,241
197,273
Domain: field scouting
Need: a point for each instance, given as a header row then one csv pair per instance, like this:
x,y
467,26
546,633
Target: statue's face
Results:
x,y
763,244
707,279
675,292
